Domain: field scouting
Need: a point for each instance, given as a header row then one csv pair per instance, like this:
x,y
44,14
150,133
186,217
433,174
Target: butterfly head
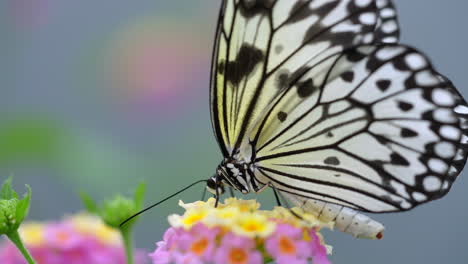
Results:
x,y
230,173
215,185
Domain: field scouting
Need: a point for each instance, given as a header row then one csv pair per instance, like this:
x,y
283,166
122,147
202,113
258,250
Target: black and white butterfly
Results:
x,y
317,99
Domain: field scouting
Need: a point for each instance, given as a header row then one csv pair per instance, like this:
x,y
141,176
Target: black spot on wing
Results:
x,y
245,62
306,88
282,116
301,10
348,76
382,140
383,85
408,133
278,49
332,161
286,79
354,55
397,159
404,106
282,80
221,67
251,8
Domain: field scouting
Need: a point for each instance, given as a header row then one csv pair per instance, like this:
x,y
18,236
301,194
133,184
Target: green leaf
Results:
x,y
7,192
140,195
22,208
89,203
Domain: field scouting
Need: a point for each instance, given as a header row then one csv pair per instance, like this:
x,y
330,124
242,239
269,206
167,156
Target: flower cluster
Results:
x,y
237,232
76,239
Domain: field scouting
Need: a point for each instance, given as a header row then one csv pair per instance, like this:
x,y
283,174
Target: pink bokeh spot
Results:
x,y
29,13
64,244
159,70
62,236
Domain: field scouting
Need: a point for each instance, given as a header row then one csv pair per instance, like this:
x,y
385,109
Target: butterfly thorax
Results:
x,y
238,174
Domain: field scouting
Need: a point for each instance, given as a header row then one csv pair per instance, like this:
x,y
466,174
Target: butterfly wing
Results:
x,y
388,29
371,127
378,130
260,44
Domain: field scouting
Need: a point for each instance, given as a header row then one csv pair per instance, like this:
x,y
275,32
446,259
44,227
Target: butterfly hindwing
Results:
x,y
378,133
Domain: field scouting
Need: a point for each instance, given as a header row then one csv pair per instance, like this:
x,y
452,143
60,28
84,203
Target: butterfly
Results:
x,y
318,100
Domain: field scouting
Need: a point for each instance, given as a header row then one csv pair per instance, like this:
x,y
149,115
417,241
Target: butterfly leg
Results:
x,y
278,201
217,198
203,195
231,192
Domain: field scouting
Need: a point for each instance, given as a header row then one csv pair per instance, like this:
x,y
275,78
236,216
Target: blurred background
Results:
x,y
100,95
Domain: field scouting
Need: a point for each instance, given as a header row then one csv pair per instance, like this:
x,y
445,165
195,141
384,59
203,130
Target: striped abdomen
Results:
x,y
346,219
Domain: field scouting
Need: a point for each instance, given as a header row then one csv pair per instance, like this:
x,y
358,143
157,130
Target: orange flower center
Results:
x,y
199,246
286,246
237,256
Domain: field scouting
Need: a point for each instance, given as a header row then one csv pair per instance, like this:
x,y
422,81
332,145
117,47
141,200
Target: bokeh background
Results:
x,y
100,95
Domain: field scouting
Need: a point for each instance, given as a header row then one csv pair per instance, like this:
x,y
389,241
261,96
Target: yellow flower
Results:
x,y
226,216
242,205
197,204
32,233
254,225
190,217
243,217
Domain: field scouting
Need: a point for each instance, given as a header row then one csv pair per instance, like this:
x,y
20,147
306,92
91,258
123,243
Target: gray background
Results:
x,y
50,70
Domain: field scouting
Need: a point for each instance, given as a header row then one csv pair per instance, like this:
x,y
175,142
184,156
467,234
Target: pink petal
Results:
x,y
255,258
288,230
284,259
187,259
161,257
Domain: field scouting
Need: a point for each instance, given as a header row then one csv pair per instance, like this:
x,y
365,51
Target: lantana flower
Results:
x,y
76,239
237,232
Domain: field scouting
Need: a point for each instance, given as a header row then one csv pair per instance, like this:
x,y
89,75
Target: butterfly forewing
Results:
x,y
261,45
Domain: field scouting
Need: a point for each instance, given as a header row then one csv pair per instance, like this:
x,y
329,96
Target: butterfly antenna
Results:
x,y
160,202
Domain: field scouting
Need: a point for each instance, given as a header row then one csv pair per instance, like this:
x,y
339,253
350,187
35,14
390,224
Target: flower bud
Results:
x,y
8,220
117,210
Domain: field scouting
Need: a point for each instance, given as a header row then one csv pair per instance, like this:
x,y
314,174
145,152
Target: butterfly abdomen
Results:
x,y
346,219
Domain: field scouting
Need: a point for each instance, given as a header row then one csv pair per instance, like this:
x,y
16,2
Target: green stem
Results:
x,y
16,239
128,243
